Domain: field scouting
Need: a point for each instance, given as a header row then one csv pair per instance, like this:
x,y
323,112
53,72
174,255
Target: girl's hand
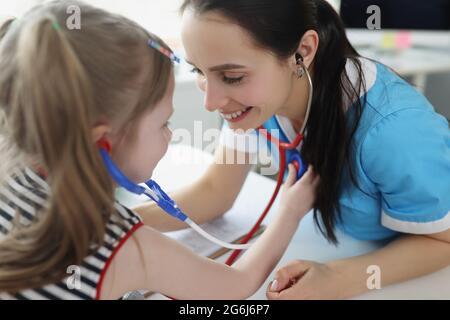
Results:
x,y
297,197
306,280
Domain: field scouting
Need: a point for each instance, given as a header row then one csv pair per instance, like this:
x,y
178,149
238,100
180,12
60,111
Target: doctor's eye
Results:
x,y
229,80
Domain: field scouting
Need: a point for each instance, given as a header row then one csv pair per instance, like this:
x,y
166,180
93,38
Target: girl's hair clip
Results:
x,y
56,26
155,45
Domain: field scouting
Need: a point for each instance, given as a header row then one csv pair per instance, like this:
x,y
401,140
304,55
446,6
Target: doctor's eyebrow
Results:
x,y
223,67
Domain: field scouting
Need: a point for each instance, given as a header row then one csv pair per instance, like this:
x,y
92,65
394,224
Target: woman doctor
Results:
x,y
382,152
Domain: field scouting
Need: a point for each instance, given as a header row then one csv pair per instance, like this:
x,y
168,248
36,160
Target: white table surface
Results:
x,y
183,165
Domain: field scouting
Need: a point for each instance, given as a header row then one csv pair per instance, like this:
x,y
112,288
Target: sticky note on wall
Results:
x,y
388,40
396,40
403,40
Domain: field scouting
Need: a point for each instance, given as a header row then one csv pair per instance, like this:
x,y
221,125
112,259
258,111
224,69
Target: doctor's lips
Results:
x,y
235,116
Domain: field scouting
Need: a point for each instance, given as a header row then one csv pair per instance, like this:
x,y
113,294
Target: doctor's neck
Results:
x,y
296,104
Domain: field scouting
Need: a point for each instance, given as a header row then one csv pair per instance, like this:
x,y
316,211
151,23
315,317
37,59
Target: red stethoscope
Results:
x,y
283,147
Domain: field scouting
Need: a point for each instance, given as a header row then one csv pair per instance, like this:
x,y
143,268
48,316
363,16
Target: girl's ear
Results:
x,y
100,131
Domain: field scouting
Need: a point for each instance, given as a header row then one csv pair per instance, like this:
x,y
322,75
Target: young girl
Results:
x,y
62,92
382,152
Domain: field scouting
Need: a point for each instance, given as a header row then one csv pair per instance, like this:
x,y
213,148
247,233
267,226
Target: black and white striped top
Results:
x,y
25,194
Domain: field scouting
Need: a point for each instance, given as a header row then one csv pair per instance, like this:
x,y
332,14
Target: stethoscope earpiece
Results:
x,y
302,68
298,58
104,144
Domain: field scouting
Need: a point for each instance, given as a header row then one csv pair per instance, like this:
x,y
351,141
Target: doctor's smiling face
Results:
x,y
245,83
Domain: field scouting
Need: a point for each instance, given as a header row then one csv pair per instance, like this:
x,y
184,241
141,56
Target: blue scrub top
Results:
x,y
401,157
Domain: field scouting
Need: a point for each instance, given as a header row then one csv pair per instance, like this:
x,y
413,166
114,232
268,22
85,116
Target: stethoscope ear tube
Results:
x,y
162,199
118,176
221,243
295,158
156,193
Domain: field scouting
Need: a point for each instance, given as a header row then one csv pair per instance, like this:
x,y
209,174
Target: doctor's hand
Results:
x,y
297,197
307,280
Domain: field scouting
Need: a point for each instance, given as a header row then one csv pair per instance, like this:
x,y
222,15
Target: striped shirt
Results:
x,y
24,194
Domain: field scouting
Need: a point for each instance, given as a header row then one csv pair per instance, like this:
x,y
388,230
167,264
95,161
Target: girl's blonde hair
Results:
x,y
55,85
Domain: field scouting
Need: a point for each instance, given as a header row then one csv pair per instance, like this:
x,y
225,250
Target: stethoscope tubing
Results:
x,y
282,147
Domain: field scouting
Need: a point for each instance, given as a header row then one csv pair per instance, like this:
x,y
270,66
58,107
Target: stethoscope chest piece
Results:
x,y
300,165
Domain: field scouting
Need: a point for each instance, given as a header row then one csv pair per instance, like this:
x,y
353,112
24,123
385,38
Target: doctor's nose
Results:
x,y
215,98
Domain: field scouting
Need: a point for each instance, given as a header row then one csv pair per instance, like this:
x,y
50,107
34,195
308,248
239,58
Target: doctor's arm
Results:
x,y
407,257
414,184
206,199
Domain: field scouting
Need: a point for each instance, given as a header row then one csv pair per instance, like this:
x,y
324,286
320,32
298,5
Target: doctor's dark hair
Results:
x,y
278,27
56,84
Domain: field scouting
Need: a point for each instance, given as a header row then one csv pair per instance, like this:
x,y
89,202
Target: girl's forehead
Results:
x,y
164,106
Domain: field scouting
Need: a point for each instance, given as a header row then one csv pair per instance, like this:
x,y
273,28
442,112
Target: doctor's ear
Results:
x,y
307,48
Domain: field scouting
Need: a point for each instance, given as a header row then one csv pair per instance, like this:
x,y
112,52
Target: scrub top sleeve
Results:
x,y
239,140
407,156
